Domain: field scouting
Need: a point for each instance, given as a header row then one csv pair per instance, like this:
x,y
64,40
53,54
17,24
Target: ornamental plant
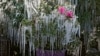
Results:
x,y
55,26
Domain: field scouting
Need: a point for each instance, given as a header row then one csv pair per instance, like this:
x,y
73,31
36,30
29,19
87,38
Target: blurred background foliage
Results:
x,y
98,7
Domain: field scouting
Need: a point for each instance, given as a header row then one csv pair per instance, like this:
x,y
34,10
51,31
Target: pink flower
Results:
x,y
61,10
69,14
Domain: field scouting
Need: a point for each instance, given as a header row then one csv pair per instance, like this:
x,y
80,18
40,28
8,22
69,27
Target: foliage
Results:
x,y
26,22
97,7
47,6
14,10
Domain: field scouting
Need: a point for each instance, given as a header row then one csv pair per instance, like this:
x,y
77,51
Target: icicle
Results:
x,y
52,40
23,41
33,48
30,48
18,36
68,26
79,30
42,45
30,30
76,2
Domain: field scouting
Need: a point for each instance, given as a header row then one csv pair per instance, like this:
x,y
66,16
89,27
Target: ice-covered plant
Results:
x,y
55,25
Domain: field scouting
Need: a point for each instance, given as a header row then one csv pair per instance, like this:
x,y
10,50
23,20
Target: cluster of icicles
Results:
x,y
19,35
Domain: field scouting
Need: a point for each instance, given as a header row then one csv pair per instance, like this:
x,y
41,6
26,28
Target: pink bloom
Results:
x,y
61,10
69,14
